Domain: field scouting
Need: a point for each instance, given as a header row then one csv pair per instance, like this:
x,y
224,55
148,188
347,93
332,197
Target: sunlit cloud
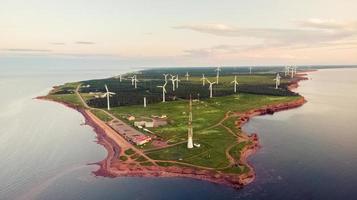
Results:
x,y
306,34
24,50
84,42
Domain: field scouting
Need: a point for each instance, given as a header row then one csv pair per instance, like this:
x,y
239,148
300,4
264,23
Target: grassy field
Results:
x,y
214,139
213,120
101,115
67,98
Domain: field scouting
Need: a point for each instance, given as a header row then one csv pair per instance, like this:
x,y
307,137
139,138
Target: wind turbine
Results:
x,y
144,102
132,79
277,81
187,75
177,80
292,71
108,95
218,69
203,80
135,82
173,80
210,88
163,91
235,82
190,129
165,75
250,70
286,70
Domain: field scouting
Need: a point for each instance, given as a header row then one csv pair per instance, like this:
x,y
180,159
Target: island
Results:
x,y
181,122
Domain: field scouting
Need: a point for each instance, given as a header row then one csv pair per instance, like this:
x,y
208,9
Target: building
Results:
x,y
129,133
141,139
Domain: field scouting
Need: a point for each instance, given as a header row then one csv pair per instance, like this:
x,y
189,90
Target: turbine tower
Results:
x,y
250,70
177,81
203,80
108,95
173,80
163,91
190,129
165,75
235,82
218,69
277,81
120,78
292,71
132,80
144,102
286,71
187,75
135,82
210,88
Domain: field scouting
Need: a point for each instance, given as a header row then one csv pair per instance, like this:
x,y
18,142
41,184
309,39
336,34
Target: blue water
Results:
x,y
307,153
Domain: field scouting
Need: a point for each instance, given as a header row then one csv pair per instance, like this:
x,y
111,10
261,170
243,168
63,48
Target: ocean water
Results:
x,y
45,152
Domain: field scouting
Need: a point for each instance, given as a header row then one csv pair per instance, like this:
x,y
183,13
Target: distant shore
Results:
x,y
112,166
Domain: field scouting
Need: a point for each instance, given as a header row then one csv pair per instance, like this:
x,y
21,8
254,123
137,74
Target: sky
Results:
x,y
182,32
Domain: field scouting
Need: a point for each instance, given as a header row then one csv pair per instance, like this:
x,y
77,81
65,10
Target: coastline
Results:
x,y
112,166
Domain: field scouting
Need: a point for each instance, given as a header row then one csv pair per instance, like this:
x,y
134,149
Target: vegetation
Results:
x,y
214,119
129,152
123,158
101,115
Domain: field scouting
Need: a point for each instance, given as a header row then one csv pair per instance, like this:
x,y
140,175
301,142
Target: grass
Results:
x,y
141,159
214,138
66,98
129,152
123,158
146,164
206,114
235,151
230,123
101,115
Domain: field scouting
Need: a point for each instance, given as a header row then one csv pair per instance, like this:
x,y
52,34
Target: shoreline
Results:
x,y
115,145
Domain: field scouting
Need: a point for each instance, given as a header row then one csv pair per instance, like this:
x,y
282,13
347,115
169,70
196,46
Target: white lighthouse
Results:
x,y
190,129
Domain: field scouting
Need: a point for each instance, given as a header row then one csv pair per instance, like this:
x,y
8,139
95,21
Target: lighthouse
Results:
x,y
190,129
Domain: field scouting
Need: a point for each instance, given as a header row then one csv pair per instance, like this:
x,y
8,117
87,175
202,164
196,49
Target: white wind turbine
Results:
x,y
210,88
173,81
177,81
108,95
277,81
203,80
187,76
235,82
218,69
250,70
286,70
132,79
165,75
163,91
292,71
136,82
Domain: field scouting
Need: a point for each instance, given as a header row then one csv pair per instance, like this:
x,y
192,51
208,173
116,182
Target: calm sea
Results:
x,y
307,153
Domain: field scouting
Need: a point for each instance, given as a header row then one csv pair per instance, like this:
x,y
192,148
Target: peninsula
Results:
x,y
181,122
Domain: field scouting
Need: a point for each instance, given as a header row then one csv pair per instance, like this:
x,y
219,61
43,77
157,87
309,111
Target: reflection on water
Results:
x,y
307,153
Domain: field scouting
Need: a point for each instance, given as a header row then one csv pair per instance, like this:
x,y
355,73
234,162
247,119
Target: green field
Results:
x,y
213,118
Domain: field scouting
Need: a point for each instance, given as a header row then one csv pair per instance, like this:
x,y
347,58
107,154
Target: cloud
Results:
x,y
328,24
84,42
306,34
20,50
